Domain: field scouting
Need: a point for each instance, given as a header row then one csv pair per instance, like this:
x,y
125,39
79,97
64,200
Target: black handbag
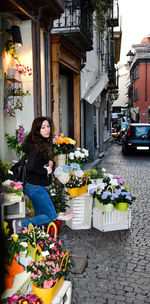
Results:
x,y
19,170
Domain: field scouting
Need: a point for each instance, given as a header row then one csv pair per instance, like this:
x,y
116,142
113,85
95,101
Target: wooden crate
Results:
x,y
82,207
111,221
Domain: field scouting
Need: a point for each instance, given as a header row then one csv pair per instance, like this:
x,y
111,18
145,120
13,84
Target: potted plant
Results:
x,y
77,185
15,141
13,191
18,299
122,197
11,249
48,274
79,156
62,146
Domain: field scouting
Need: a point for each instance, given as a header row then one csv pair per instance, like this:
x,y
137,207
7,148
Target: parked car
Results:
x,y
136,138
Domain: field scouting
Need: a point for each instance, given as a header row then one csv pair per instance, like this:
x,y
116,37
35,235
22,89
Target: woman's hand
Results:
x,y
48,168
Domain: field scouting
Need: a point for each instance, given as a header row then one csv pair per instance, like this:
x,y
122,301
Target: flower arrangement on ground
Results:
x,y
62,172
63,145
17,299
15,141
45,273
79,156
12,187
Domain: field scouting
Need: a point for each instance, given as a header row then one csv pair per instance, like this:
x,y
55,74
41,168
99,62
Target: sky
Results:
x,y
135,24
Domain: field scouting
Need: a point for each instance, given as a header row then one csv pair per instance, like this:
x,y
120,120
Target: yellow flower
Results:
x,y
15,237
4,225
62,134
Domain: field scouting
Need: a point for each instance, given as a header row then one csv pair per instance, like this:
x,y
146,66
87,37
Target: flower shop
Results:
x,y
35,264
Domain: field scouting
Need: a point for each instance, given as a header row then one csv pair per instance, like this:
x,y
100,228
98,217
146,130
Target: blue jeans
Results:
x,y
44,211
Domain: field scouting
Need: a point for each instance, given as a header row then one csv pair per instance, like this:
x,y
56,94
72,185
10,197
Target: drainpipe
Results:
x,y
50,71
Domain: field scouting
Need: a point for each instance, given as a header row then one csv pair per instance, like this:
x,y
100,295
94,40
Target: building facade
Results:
x,y
140,79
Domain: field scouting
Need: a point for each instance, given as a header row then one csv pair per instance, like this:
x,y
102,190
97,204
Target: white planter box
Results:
x,y
82,207
64,295
111,221
12,210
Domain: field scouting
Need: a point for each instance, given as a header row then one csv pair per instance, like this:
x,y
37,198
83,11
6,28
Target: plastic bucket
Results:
x,y
122,206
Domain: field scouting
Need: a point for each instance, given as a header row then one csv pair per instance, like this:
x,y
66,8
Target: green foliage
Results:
x,y
4,167
14,142
58,196
95,174
102,7
10,48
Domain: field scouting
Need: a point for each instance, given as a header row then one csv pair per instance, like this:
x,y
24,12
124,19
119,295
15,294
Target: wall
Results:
x,y
24,117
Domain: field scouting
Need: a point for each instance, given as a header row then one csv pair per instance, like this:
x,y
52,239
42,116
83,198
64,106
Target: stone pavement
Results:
x,y
118,263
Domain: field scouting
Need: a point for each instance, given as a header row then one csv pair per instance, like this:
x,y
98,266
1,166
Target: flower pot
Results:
x,y
108,208
12,270
98,205
122,206
61,160
47,295
11,197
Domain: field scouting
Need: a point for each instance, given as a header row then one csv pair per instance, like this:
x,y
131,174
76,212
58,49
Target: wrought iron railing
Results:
x,y
76,17
113,15
108,66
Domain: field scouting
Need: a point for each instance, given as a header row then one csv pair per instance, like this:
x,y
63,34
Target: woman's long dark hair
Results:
x,y
35,139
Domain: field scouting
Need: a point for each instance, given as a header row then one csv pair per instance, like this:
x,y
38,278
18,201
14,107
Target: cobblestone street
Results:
x,y
118,263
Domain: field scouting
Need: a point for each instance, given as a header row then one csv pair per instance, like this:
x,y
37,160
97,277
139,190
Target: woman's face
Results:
x,y
45,129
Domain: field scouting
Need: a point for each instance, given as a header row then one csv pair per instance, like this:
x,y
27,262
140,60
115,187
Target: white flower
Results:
x,y
78,149
71,155
82,155
114,182
24,244
7,182
77,154
103,169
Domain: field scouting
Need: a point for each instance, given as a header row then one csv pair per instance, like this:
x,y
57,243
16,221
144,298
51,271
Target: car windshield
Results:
x,y
142,132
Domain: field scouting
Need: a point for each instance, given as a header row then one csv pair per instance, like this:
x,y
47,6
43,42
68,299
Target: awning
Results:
x,y
96,89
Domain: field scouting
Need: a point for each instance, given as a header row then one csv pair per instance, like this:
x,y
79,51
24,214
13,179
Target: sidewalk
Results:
x,y
114,267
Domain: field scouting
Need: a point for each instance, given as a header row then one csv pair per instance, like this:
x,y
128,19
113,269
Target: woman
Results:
x,y
38,146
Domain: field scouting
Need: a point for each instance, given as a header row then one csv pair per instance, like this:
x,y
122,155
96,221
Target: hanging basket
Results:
x,y
78,191
47,295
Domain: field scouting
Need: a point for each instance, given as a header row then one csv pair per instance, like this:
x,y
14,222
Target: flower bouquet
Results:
x,y
63,145
77,186
62,172
48,274
13,191
79,156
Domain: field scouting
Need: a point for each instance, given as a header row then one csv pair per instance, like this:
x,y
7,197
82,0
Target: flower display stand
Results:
x,y
111,221
64,295
13,209
21,285
82,207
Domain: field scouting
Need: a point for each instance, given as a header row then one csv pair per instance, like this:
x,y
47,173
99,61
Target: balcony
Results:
x,y
108,66
76,24
113,16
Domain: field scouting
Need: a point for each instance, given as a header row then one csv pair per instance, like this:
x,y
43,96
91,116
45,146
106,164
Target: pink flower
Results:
x,y
48,284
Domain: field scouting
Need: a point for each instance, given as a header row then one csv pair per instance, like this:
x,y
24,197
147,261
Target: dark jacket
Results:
x,y
36,174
